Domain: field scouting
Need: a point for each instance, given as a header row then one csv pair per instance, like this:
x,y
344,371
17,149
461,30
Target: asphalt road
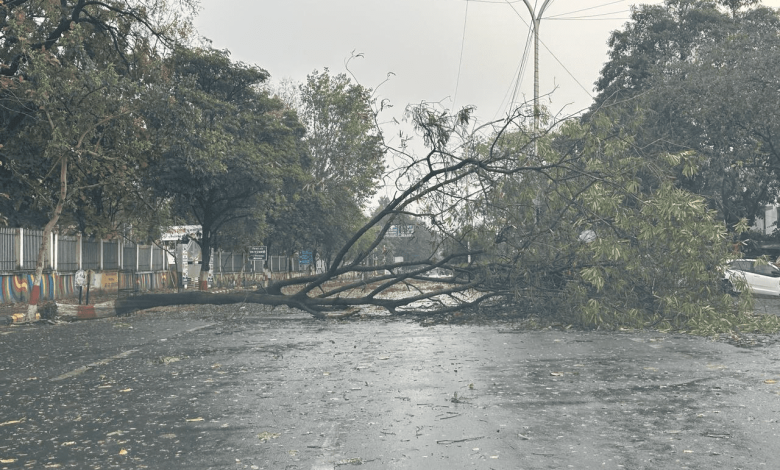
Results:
x,y
235,388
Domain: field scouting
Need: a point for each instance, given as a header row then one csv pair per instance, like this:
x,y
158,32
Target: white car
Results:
x,y
760,277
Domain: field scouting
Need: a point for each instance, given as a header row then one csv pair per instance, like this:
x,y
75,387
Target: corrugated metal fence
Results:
x,y
7,244
69,253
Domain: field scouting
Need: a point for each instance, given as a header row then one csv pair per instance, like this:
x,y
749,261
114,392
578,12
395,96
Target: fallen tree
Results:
x,y
573,225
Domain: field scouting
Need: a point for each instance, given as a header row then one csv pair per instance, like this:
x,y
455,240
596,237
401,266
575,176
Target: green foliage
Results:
x,y
227,149
588,231
656,37
347,159
342,136
703,78
70,92
67,108
657,255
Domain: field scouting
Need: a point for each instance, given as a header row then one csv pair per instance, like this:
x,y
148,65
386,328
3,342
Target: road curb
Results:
x,y
15,318
87,312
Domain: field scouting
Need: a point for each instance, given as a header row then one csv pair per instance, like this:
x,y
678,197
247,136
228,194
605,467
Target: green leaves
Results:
x,y
598,237
703,78
228,151
346,154
342,136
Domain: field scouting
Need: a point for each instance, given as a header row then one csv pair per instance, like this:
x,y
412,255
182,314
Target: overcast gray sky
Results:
x,y
455,51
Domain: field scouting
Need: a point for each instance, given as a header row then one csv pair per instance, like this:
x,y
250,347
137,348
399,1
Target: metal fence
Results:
x,y
129,257
67,254
32,243
110,255
19,251
7,245
90,254
158,259
278,264
144,258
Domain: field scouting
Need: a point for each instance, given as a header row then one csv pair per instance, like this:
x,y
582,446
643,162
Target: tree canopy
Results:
x,y
103,49
701,78
613,221
227,147
571,234
70,85
347,160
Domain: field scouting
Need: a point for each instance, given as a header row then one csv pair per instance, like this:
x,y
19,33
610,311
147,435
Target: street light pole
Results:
x,y
536,20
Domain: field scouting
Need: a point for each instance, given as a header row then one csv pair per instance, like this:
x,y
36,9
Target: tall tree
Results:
x,y
69,102
227,146
343,138
702,80
347,153
657,36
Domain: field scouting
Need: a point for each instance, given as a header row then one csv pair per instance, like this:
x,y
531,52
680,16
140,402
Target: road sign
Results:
x,y
305,257
176,232
402,231
80,278
258,253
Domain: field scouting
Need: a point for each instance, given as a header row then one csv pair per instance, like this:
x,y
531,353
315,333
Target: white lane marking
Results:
x,y
122,355
101,362
325,462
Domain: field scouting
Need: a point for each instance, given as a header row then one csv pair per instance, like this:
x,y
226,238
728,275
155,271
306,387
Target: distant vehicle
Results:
x,y
760,277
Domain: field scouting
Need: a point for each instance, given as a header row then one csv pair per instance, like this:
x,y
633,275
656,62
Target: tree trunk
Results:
x,y
35,295
205,260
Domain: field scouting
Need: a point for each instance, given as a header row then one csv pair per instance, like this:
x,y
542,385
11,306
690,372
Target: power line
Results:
x,y
521,73
587,9
560,17
590,17
493,1
462,47
517,13
517,78
564,68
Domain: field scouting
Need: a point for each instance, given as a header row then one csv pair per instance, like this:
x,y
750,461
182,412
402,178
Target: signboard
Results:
x,y
402,231
258,253
109,280
175,232
305,257
80,278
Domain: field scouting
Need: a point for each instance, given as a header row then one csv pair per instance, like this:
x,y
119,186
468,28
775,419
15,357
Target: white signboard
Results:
x,y
258,253
80,278
175,232
402,231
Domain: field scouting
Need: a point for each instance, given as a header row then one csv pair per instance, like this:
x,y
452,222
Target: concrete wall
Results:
x,y
16,288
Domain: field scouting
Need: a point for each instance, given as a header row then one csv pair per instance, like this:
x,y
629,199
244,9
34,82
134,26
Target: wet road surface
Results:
x,y
224,388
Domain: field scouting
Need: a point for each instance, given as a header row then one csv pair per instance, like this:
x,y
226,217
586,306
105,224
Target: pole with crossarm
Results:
x,y
536,19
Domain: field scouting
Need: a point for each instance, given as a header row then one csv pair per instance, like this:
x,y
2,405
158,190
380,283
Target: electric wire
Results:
x,y
564,68
462,47
600,16
493,1
551,53
521,73
514,86
586,9
524,60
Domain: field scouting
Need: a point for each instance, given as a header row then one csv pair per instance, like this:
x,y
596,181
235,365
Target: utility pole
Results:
x,y
536,20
